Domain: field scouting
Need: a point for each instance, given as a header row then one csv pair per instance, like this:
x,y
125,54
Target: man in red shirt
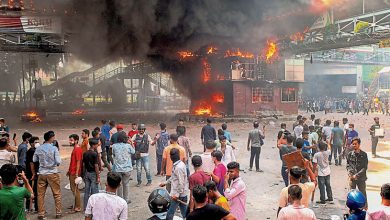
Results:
x,y
199,177
75,170
133,131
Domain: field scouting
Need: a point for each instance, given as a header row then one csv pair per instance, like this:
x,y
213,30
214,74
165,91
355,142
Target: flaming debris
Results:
x,y
31,116
185,54
237,53
212,50
79,112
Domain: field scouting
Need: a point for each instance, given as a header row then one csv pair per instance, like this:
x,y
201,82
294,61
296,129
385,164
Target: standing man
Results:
x,y
92,173
255,141
49,159
179,185
321,166
32,173
215,196
366,107
96,133
161,140
337,140
114,136
226,133
106,133
121,153
299,129
167,162
141,142
184,142
235,192
84,136
286,149
180,125
106,204
327,132
74,170
207,160
22,149
199,177
208,133
357,163
350,135
374,137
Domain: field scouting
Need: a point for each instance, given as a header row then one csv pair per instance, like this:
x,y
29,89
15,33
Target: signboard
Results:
x,y
38,24
30,24
325,20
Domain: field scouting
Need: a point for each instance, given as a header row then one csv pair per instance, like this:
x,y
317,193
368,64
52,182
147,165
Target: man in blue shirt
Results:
x,y
226,133
3,126
162,141
337,141
49,159
350,135
106,133
121,152
22,149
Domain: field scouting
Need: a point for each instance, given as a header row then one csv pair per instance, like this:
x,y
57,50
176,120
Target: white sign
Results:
x,y
39,24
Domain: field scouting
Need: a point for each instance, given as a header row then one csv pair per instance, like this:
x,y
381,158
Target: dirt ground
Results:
x,y
262,188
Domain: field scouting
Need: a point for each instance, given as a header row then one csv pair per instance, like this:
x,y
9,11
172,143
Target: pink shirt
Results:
x,y
236,194
296,212
381,212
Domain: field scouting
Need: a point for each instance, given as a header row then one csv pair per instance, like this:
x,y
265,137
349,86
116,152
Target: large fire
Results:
x,y
238,53
203,109
271,51
185,54
206,71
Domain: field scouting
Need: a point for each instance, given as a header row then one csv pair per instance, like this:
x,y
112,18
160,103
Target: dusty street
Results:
x,y
262,188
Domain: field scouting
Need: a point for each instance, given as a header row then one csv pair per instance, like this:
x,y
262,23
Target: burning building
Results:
x,y
242,83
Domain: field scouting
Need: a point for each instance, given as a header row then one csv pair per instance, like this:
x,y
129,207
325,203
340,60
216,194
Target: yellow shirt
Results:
x,y
222,202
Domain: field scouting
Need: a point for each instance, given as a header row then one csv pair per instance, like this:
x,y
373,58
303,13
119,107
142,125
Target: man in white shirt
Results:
x,y
321,163
106,204
299,129
207,160
296,210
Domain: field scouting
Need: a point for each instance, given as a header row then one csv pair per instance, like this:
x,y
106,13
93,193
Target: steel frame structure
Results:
x,y
343,34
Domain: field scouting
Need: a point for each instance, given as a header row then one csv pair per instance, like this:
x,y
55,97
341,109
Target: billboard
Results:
x,y
30,24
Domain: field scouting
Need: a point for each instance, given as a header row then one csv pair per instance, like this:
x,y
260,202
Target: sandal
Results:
x,y
73,211
70,207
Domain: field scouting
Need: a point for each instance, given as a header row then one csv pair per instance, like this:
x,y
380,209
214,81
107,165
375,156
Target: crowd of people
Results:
x,y
214,190
348,105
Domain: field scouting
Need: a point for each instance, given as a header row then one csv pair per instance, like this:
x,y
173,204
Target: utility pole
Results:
x,y
364,6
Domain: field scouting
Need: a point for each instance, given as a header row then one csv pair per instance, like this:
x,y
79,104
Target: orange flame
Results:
x,y
218,98
185,54
238,53
33,117
203,109
206,73
212,50
271,51
299,36
79,112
